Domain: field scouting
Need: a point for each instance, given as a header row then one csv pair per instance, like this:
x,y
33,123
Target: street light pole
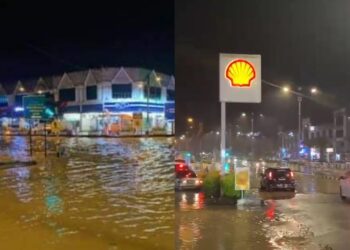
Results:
x,y
252,134
147,115
252,124
299,123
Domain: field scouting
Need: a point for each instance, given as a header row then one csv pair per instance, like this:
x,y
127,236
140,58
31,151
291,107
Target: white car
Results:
x,y
187,180
344,185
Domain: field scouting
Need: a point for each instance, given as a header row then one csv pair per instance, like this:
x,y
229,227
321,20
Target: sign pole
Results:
x,y
45,136
30,138
223,137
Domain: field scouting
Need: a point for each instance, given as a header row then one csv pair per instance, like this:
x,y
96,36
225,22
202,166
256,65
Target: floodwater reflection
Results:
x,y
108,194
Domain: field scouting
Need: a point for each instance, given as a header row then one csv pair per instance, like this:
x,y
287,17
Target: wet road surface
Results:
x,y
312,218
107,194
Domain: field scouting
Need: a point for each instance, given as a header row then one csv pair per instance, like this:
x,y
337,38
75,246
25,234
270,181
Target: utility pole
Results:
x,y
147,115
252,134
299,123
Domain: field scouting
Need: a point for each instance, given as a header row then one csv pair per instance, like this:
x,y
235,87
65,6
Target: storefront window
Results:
x,y
67,94
170,95
121,91
19,100
339,133
154,93
3,100
91,92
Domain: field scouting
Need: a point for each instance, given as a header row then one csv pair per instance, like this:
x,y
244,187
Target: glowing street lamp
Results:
x,y
286,89
313,90
190,120
243,114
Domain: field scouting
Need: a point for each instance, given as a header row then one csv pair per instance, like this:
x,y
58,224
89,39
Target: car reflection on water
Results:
x,y
108,194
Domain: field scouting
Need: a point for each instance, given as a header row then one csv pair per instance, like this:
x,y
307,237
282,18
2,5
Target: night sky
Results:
x,y
53,37
302,43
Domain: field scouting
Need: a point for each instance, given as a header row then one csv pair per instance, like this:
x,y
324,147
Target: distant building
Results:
x,y
341,141
105,100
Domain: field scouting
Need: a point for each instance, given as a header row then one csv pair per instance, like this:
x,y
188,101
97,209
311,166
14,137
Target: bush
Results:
x,y
228,187
211,184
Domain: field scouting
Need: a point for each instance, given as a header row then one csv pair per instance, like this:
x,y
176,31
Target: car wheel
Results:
x,y
341,194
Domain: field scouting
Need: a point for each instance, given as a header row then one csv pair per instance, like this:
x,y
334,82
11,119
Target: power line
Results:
x,y
326,99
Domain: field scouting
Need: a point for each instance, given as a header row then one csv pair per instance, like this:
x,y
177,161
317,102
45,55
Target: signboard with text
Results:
x,y
34,107
240,78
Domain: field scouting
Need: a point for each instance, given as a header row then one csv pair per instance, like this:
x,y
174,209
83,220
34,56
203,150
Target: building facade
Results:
x,y
112,101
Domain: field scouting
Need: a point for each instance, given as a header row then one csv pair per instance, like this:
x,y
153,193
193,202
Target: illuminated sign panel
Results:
x,y
240,73
240,78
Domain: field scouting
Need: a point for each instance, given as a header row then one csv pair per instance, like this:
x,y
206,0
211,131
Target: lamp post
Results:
x,y
300,96
147,114
300,99
252,129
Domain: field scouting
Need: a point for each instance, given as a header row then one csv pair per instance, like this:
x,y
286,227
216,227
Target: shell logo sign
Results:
x,y
242,178
240,73
240,78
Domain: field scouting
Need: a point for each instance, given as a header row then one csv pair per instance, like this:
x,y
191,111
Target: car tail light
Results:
x,y
270,175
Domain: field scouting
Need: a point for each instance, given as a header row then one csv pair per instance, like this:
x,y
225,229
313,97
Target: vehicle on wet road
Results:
x,y
344,185
187,180
277,179
181,166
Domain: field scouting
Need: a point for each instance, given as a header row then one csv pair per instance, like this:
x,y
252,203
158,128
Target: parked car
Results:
x,y
180,166
187,180
344,185
277,179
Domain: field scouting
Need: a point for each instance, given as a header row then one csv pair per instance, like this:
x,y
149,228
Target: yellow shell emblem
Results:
x,y
242,180
240,73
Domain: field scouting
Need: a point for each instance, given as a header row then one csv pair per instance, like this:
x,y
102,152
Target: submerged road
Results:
x,y
313,218
107,193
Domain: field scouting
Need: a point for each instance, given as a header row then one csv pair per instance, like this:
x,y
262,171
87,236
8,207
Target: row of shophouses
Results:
x,y
322,142
113,100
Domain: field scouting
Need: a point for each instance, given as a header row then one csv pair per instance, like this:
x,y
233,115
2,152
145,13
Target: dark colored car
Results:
x,y
277,179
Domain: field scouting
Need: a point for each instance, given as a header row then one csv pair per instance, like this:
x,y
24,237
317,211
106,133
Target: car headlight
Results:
x,y
184,182
198,182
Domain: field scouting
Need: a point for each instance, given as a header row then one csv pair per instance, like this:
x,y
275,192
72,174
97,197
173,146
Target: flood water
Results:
x,y
105,193
313,218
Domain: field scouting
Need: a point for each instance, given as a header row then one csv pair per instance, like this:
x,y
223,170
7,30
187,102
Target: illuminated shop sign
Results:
x,y
240,73
240,78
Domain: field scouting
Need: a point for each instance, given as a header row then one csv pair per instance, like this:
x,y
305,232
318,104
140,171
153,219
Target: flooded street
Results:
x,y
313,218
106,193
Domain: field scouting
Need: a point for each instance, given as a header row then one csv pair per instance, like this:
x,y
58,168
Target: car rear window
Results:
x,y
186,174
279,172
282,172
